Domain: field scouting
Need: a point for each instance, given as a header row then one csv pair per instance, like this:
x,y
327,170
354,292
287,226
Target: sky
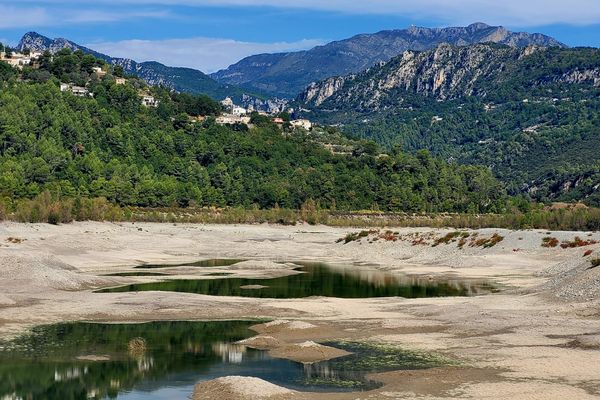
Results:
x,y
212,34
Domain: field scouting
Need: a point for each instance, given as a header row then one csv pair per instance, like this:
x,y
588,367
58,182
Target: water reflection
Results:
x,y
317,279
94,361
215,262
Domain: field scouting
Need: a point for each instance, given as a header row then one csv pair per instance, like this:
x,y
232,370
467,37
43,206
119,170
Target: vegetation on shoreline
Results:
x,y
48,208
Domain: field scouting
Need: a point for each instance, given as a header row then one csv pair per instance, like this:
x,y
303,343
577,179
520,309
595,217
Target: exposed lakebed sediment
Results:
x,y
535,336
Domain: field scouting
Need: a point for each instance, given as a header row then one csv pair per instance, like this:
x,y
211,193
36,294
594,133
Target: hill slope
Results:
x,y
109,145
154,73
529,114
287,74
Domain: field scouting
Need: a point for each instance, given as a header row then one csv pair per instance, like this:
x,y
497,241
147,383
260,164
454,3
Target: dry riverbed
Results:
x,y
538,338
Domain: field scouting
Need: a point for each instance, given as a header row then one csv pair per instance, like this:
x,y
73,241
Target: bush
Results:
x,y
595,263
550,242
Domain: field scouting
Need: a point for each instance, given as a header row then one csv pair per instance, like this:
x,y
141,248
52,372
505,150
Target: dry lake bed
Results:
x,y
162,311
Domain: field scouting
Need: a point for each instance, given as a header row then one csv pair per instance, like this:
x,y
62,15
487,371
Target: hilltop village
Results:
x,y
231,114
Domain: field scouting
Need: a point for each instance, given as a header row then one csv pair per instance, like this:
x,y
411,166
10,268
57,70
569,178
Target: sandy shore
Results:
x,y
539,338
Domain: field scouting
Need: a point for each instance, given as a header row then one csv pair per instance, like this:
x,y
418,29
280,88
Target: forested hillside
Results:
x,y
108,145
531,115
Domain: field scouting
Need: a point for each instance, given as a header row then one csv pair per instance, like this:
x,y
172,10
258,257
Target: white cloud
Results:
x,y
107,16
40,16
15,17
507,12
205,54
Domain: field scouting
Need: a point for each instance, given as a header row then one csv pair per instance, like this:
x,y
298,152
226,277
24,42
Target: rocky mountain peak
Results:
x,y
34,41
288,74
478,26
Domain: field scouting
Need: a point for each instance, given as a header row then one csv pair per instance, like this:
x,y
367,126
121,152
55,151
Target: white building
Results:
x,y
229,119
16,60
236,110
149,101
19,60
99,71
76,90
302,123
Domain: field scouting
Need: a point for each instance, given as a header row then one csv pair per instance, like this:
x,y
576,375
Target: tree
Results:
x,y
118,71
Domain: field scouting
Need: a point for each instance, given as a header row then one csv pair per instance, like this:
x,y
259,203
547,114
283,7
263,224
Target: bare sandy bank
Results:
x,y
537,339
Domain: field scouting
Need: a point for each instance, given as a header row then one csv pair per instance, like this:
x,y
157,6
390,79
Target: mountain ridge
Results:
x,y
154,73
287,74
529,114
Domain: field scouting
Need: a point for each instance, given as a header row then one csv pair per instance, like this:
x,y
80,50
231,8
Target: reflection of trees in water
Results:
x,y
45,364
330,371
230,353
321,280
69,373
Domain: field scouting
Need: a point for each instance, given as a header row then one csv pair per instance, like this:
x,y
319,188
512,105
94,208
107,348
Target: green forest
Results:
x,y
534,120
108,145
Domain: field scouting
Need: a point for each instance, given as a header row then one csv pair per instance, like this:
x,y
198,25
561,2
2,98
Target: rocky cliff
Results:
x,y
287,74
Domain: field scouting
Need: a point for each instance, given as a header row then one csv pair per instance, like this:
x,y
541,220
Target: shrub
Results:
x,y
577,242
450,237
550,242
487,243
595,263
351,237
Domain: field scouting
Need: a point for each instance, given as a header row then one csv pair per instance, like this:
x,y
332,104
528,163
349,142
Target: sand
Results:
x,y
239,387
537,338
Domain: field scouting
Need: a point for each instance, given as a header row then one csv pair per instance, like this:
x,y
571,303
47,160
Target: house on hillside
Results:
x,y
236,110
230,119
99,72
120,81
278,121
16,60
302,123
76,90
149,101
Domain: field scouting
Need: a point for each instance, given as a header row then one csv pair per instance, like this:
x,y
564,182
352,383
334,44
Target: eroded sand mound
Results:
x,y
240,388
44,272
280,325
261,342
308,352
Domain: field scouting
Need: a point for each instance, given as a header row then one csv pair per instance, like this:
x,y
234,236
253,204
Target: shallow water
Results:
x,y
137,274
84,360
216,262
318,279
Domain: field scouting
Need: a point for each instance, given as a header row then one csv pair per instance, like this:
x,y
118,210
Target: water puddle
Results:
x,y
317,279
164,360
137,274
217,262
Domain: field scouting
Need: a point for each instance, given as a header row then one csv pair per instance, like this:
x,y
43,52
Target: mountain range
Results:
x,y
530,114
286,74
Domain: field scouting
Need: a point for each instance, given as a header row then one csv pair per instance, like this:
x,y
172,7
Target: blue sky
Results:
x,y
211,34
